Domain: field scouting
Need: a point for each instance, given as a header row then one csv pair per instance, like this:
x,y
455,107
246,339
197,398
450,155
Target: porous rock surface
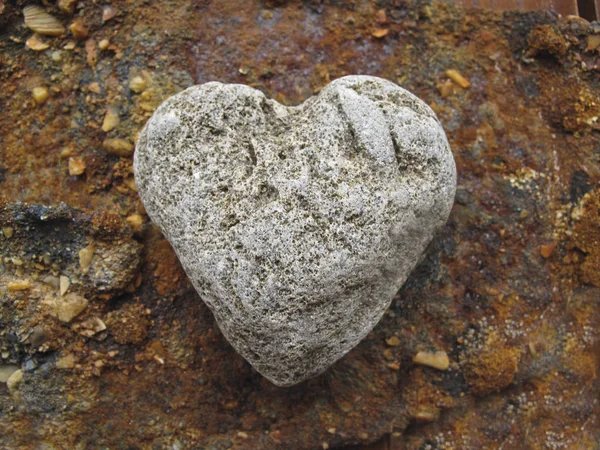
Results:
x,y
296,225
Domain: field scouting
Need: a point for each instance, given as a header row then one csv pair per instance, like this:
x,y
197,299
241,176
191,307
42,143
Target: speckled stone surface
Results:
x,y
296,225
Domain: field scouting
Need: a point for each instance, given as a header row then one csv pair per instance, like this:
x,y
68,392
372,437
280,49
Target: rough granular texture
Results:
x,y
296,225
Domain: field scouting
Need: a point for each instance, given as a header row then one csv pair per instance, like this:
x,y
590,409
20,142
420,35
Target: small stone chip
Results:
x,y
40,94
64,284
78,29
137,84
394,366
76,165
95,88
135,221
381,16
111,120
66,308
437,360
380,33
428,415
116,146
393,341
546,250
85,256
457,78
103,44
14,380
8,232
91,53
66,362
108,12
35,43
23,285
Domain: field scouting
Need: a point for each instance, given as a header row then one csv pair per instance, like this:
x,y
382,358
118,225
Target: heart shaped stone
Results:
x,y
296,225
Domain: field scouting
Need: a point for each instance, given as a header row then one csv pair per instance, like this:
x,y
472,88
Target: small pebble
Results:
x,y
546,250
66,362
66,308
14,380
103,44
116,146
380,33
91,53
8,232
437,360
15,286
67,6
393,341
76,166
135,221
381,16
64,284
111,120
40,94
79,30
36,44
137,84
427,415
85,256
457,78
95,88
108,12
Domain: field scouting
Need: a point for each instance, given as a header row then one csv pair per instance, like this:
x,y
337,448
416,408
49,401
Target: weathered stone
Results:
x,y
296,225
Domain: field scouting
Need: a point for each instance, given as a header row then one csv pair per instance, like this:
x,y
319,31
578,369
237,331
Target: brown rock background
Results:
x,y
509,291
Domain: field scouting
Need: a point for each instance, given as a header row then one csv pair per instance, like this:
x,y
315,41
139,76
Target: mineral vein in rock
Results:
x,y
296,225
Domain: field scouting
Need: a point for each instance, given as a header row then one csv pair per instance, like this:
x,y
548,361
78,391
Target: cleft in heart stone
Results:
x,y
296,225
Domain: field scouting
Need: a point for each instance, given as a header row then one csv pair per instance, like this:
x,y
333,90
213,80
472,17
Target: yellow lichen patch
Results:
x,y
586,237
492,369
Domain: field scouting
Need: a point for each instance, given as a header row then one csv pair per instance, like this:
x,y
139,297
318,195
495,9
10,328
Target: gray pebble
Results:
x,y
296,225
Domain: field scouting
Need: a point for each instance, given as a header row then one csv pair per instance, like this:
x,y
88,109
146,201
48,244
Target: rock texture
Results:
x,y
296,225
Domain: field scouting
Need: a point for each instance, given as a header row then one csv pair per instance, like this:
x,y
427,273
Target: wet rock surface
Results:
x,y
297,226
514,273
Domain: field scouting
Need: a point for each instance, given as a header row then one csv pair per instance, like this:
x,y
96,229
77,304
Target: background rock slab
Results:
x,y
515,274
